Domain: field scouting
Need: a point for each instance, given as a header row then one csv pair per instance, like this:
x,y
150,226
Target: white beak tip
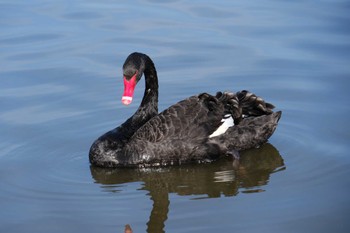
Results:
x,y
126,100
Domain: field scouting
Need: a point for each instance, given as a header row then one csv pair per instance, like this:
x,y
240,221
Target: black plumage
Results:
x,y
182,133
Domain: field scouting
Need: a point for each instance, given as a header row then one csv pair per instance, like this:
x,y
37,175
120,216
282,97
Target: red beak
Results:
x,y
129,87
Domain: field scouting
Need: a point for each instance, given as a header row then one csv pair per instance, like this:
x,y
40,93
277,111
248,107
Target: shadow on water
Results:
x,y
222,178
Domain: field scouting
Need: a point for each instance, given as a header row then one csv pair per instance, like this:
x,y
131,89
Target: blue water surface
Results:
x,y
61,86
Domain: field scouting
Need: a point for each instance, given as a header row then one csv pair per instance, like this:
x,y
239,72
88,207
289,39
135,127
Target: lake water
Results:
x,y
61,86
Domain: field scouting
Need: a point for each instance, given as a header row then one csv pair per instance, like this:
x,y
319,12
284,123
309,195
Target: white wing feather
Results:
x,y
227,123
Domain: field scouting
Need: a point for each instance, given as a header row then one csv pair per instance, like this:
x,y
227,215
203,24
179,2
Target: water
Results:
x,y
61,87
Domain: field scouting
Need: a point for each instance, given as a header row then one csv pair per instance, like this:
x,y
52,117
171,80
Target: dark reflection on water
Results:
x,y
222,178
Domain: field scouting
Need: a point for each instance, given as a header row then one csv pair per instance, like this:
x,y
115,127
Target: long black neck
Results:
x,y
149,105
150,97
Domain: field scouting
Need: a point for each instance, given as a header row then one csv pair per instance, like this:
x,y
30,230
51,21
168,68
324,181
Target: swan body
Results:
x,y
201,128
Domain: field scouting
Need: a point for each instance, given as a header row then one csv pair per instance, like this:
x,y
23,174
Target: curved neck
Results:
x,y
150,97
149,105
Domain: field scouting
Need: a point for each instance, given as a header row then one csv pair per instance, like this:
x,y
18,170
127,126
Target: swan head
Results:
x,y
133,69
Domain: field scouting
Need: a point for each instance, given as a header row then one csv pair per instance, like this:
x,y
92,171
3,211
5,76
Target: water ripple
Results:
x,y
33,38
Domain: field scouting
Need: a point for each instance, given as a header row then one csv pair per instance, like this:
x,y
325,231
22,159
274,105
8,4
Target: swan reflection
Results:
x,y
213,180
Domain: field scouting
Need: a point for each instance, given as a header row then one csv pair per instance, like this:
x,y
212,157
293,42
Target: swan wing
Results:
x,y
194,118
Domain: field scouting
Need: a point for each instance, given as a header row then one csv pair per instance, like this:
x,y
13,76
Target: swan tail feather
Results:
x,y
253,105
250,133
243,104
231,104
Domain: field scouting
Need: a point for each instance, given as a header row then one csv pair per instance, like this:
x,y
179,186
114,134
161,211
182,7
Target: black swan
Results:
x,y
201,128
